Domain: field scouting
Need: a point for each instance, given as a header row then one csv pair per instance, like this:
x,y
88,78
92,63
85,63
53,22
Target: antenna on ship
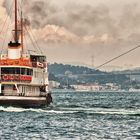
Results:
x,y
16,31
92,61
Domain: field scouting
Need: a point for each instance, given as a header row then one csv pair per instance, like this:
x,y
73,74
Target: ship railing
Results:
x,y
16,78
27,63
18,62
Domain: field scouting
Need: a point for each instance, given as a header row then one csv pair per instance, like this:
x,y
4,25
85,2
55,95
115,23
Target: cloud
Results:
x,y
77,24
82,20
79,19
2,12
54,35
105,28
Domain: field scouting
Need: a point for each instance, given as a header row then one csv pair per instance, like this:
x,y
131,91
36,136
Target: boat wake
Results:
x,y
15,109
97,111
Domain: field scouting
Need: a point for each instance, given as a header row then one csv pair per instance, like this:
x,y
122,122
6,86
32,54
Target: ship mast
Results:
x,y
16,30
21,31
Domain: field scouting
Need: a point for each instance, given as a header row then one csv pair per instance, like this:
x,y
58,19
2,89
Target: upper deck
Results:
x,y
36,61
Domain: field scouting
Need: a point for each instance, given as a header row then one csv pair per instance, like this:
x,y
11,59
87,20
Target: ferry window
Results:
x,y
26,71
42,59
10,70
29,72
38,58
17,71
2,87
23,71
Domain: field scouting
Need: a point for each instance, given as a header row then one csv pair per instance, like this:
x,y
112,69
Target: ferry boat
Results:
x,y
24,75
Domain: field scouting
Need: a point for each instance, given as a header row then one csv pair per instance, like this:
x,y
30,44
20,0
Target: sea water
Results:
x,y
75,116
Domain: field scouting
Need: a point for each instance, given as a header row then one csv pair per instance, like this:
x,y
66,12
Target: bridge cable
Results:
x,y
111,60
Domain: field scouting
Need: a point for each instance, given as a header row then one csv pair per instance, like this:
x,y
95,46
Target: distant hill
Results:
x,y
61,69
68,74
135,70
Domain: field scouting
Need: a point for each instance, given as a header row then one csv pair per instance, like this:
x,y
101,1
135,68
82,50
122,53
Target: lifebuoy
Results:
x,y
25,78
5,77
11,77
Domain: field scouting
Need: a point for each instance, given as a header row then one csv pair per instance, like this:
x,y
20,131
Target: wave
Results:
x,y
98,111
106,111
15,109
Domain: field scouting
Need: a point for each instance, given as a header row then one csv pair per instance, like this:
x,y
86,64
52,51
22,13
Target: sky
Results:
x,y
70,31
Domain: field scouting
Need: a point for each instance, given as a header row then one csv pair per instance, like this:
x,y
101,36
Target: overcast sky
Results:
x,y
72,32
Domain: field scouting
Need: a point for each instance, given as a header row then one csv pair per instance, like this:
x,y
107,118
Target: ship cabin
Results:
x,y
22,74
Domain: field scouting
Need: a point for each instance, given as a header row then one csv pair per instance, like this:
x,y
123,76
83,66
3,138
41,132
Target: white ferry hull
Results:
x,y
25,102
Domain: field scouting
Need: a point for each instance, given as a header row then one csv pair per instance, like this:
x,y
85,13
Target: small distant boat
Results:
x,y
83,90
24,75
134,90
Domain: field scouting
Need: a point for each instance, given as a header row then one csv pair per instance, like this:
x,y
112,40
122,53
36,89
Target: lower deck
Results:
x,y
22,90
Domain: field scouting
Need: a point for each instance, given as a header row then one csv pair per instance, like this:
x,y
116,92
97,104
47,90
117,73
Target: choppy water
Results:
x,y
75,116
